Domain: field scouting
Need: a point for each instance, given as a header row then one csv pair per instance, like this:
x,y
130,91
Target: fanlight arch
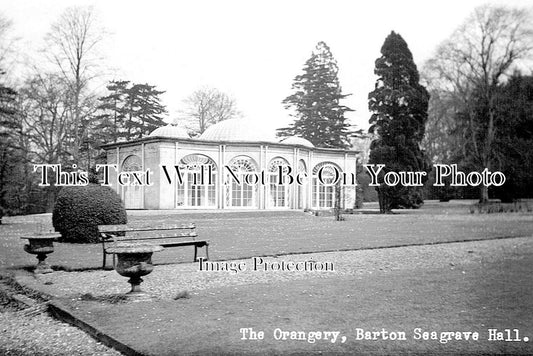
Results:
x,y
277,162
328,171
197,161
243,164
132,163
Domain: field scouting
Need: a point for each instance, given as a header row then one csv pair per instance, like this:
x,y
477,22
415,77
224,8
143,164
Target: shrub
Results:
x,y
79,210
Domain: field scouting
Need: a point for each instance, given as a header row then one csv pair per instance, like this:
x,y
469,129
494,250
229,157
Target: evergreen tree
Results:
x,y
9,127
399,106
111,120
147,108
316,102
130,111
514,137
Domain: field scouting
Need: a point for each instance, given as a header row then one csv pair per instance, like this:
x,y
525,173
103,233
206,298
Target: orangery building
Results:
x,y
232,165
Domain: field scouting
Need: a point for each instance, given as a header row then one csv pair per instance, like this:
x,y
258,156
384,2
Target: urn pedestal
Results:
x,y
135,261
41,245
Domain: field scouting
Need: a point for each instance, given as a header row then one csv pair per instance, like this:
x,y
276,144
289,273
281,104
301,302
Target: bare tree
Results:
x,y
44,114
442,140
468,67
207,106
72,46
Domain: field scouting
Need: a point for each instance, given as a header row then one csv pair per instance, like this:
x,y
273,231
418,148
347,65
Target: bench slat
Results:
x,y
198,243
126,228
135,235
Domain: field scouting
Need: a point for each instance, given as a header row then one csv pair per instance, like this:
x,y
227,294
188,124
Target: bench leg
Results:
x,y
195,253
104,263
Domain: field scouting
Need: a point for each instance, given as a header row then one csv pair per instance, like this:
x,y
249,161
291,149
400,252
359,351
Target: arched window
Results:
x,y
132,194
239,193
278,191
132,163
323,182
199,182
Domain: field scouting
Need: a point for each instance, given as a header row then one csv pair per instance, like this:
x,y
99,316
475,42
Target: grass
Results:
x,y
492,293
234,235
437,299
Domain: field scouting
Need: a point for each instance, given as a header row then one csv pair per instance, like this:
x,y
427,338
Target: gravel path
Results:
x,y
167,281
24,334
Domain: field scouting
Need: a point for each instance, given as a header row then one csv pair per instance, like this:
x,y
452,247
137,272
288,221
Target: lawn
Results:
x,y
235,235
469,286
467,296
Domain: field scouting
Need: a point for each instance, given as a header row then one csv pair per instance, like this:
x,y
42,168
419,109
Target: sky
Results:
x,y
251,50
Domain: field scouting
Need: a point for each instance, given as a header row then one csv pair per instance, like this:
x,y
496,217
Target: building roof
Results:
x,y
236,130
170,131
297,140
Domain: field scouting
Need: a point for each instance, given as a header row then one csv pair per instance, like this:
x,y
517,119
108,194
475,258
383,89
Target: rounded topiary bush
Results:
x,y
79,210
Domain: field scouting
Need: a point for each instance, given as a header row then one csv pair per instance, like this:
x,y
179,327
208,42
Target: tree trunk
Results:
x,y
51,193
338,215
384,202
484,194
381,199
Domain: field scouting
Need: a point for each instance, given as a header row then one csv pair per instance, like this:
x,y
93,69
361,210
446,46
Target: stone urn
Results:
x,y
134,261
41,245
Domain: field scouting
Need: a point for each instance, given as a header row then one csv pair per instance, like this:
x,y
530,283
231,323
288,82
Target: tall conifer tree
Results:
x,y
9,154
130,111
111,121
316,102
148,110
399,106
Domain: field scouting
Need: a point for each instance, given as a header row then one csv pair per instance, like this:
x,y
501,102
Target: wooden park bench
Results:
x,y
166,236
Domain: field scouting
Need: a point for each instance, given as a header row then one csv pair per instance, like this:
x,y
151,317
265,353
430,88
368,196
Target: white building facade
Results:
x,y
232,165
